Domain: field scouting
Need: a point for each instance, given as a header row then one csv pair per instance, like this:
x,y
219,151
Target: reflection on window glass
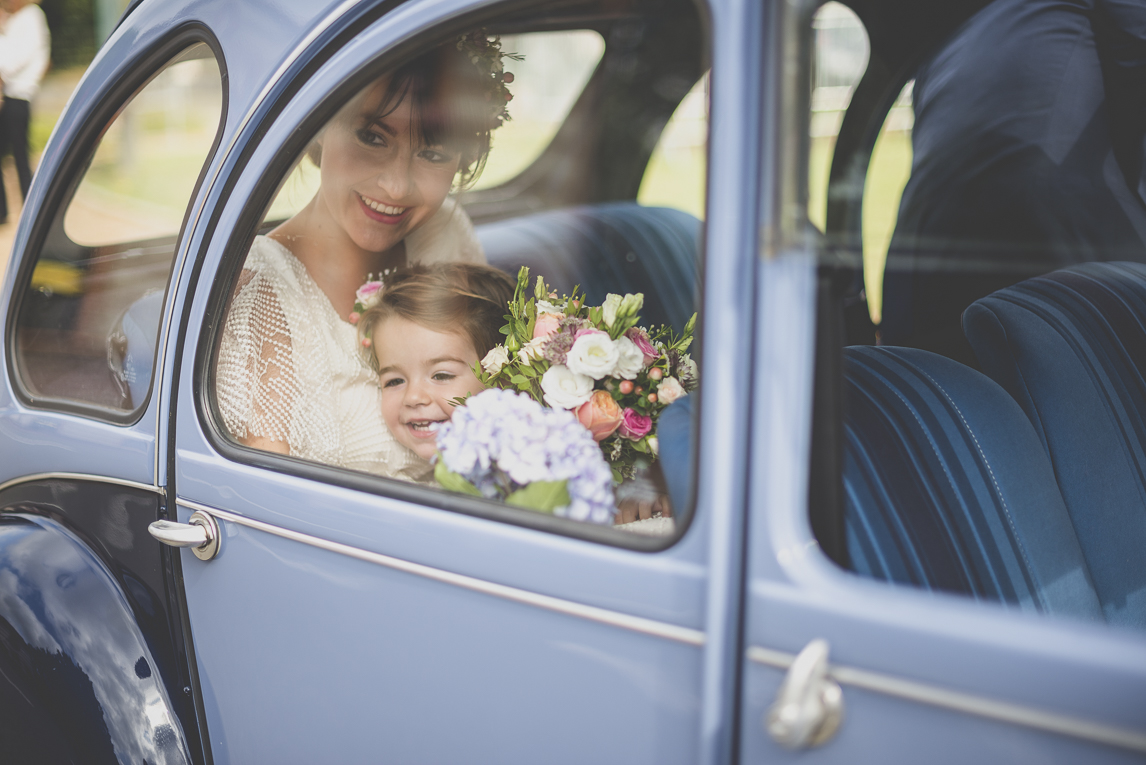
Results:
x,y
87,325
146,165
373,304
992,438
841,53
676,174
551,75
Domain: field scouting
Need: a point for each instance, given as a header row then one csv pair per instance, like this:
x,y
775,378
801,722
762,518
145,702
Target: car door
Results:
x,y
343,616
841,668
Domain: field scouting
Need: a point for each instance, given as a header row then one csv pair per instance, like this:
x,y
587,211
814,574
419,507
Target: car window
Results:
x,y
991,424
456,286
677,171
89,316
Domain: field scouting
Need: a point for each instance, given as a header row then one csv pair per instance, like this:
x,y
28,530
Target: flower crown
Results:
x,y
485,53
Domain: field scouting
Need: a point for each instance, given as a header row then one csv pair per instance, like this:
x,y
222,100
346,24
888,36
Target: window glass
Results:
x,y
992,430
375,299
88,321
841,53
676,174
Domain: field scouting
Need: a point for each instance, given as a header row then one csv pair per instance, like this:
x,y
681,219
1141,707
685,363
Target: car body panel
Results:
x,y
87,665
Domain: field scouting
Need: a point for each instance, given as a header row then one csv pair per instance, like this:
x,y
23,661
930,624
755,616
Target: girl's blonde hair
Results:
x,y
450,297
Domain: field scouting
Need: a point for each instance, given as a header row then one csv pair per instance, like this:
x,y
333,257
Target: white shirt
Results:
x,y
25,47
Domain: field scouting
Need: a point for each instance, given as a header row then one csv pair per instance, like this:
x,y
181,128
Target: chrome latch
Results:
x,y
200,533
809,705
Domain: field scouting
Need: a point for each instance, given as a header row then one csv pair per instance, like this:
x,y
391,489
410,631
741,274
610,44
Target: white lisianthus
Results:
x,y
609,309
654,445
630,360
531,351
565,389
670,390
544,306
593,354
497,358
631,304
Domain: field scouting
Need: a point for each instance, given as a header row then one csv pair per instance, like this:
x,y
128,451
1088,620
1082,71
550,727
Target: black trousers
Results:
x,y
15,116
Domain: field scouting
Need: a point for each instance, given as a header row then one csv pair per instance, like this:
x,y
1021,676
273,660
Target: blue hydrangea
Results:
x,y
503,435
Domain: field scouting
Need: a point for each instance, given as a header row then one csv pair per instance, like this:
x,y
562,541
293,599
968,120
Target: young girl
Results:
x,y
431,324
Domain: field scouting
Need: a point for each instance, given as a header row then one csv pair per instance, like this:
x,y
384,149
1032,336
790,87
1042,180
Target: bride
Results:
x,y
290,377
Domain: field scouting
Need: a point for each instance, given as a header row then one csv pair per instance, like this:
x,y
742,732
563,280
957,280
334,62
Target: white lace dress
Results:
x,y
290,368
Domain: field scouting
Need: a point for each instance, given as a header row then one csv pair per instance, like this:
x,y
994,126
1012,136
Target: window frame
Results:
x,y
251,219
64,182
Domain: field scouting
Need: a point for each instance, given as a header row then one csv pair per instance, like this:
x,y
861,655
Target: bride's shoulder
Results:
x,y
448,236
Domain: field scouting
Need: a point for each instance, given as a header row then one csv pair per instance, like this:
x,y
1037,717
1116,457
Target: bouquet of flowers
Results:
x,y
596,362
504,445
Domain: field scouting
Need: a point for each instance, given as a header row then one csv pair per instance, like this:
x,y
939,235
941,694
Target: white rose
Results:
x,y
655,445
544,306
609,309
630,360
531,351
497,358
593,354
565,389
670,390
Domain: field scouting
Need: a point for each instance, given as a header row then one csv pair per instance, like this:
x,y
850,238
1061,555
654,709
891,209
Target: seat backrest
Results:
x,y
1070,347
947,487
614,247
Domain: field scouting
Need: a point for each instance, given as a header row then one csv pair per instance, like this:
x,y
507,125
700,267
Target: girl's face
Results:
x,y
379,182
421,371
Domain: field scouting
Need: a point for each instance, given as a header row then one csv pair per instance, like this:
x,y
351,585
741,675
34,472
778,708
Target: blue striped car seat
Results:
x,y
1070,347
614,247
947,487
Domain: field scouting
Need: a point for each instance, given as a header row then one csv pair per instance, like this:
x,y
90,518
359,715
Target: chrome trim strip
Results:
x,y
604,616
967,703
193,224
81,477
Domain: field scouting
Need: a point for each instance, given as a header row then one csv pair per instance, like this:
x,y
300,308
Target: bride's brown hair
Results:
x,y
455,100
450,297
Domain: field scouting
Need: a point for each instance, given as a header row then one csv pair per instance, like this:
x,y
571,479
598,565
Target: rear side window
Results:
x,y
88,318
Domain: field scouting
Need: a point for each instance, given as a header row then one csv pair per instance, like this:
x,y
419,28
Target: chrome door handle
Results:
x,y
809,705
201,534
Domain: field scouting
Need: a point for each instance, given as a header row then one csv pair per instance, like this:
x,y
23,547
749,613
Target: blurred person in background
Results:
x,y
24,56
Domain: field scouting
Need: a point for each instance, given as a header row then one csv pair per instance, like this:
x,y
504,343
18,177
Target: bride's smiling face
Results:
x,y
380,181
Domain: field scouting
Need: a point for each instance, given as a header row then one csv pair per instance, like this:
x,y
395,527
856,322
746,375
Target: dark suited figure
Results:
x,y
1028,156
24,53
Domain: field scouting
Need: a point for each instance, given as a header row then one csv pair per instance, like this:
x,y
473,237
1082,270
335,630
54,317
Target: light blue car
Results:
x,y
901,520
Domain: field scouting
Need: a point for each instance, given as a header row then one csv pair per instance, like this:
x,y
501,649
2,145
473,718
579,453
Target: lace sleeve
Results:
x,y
255,379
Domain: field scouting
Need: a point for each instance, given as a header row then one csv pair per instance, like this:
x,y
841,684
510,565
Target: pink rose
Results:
x,y
634,426
600,414
582,332
547,324
640,339
367,294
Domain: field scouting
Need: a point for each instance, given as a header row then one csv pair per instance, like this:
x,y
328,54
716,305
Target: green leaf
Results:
x,y
545,496
528,371
451,481
518,380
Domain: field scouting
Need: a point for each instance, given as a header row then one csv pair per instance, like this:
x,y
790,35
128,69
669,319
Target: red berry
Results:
x,y
652,398
656,374
366,342
639,390
508,96
626,386
507,77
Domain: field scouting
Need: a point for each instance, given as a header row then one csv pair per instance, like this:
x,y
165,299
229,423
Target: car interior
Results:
x,y
1001,458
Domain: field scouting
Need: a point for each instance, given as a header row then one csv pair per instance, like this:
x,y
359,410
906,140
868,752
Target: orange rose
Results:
x,y
600,414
